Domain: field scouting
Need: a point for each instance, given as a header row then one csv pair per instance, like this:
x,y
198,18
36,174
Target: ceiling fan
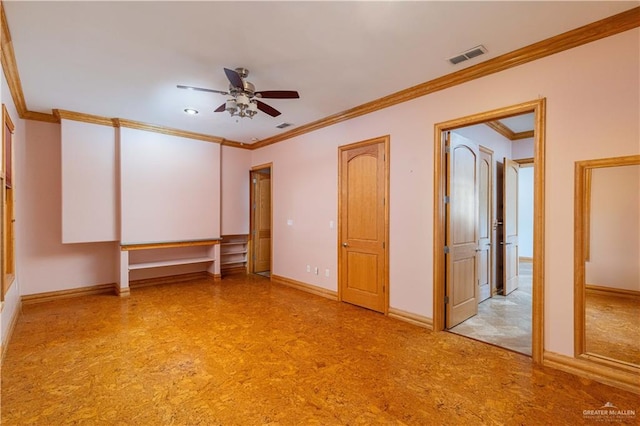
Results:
x,y
244,99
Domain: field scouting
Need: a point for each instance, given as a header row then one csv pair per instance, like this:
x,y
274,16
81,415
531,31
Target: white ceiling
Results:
x,y
124,59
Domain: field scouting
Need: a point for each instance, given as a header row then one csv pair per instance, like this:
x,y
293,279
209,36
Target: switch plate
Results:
x,y
330,224
316,270
308,268
326,272
290,222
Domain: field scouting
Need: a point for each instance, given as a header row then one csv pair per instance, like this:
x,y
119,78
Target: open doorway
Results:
x,y
478,265
260,221
503,228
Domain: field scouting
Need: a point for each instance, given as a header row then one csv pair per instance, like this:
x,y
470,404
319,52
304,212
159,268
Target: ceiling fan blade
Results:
x,y
267,109
221,108
234,78
200,89
278,94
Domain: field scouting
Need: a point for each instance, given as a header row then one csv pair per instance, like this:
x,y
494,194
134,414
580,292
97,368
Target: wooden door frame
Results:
x,y
386,140
538,108
250,262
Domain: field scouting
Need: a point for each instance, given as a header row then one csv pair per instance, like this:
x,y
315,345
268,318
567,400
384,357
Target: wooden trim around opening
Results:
x,y
387,206
318,291
538,107
581,218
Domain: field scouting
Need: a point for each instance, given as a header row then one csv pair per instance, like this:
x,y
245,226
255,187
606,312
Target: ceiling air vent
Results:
x,y
284,125
471,53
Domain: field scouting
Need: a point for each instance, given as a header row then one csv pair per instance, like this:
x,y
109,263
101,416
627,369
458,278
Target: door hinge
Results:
x,y
446,300
447,149
446,249
255,180
447,199
383,245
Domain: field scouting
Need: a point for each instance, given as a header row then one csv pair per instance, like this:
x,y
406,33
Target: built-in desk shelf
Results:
x,y
161,263
164,254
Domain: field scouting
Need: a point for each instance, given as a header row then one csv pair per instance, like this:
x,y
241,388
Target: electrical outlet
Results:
x,y
326,272
308,268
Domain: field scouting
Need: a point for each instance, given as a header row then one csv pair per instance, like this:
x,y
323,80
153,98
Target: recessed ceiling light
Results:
x,y
190,111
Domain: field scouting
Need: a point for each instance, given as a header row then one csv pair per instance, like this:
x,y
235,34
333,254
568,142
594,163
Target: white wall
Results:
x,y
235,166
525,212
169,188
615,228
89,192
522,148
592,111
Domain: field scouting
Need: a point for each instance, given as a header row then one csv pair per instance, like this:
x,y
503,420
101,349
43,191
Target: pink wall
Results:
x,y
45,264
592,111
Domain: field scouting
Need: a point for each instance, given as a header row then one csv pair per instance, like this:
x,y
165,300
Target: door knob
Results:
x,y
345,245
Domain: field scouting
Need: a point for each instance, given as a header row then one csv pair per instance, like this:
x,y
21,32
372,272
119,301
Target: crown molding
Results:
x,y
586,34
85,118
603,28
121,122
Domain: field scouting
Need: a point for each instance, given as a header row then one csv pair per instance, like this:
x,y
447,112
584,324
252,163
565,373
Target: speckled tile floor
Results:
x,y
243,351
504,321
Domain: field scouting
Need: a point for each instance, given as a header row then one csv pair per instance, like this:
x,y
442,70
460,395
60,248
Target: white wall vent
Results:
x,y
471,53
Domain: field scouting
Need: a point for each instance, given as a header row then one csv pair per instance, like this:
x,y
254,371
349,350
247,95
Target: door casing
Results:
x,y
386,141
252,224
538,107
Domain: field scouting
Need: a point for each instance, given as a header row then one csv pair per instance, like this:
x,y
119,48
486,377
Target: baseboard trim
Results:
x,y
318,291
409,317
236,270
12,325
623,379
66,294
170,279
610,291
214,276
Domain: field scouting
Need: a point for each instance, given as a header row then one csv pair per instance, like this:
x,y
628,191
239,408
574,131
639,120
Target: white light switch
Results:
x,y
330,224
290,222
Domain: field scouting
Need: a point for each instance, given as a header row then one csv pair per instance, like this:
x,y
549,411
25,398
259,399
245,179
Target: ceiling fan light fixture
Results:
x,y
232,106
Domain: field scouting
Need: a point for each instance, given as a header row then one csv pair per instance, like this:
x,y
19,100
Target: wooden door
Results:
x,y
261,221
362,249
485,223
461,230
510,226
